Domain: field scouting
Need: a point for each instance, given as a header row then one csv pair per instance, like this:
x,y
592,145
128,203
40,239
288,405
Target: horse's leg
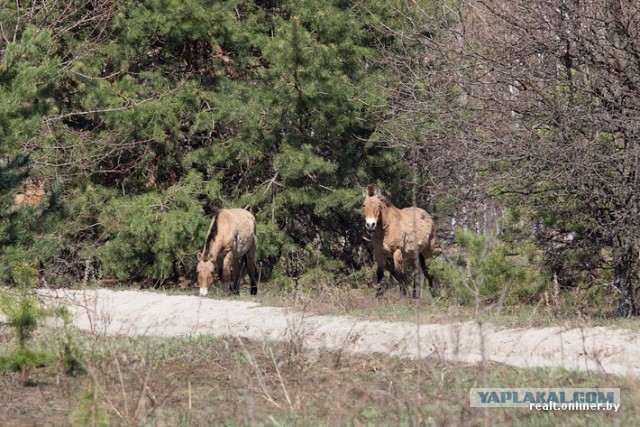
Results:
x,y
399,271
381,259
235,276
418,275
428,253
251,266
220,265
227,272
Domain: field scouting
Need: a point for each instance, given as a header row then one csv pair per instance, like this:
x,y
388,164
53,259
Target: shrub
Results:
x,y
488,270
24,314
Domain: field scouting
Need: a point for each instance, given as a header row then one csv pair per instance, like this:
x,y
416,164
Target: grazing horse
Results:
x,y
231,236
399,233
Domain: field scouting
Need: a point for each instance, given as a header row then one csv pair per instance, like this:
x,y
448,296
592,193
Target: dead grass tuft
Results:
x,y
204,380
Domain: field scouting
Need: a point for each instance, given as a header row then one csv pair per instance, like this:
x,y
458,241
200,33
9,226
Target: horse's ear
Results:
x,y
199,256
216,205
364,192
378,192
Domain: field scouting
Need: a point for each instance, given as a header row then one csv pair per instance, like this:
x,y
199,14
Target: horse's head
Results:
x,y
205,275
372,207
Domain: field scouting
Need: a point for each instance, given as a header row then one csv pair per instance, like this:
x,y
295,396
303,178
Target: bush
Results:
x,y
20,304
151,236
24,314
487,270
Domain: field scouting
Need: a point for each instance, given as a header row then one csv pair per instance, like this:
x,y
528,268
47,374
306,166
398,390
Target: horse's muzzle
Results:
x,y
370,226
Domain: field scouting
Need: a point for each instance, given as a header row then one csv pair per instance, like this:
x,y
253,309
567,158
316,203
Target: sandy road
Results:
x,y
600,349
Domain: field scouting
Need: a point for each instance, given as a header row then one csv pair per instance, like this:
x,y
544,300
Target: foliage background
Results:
x,y
138,115
149,111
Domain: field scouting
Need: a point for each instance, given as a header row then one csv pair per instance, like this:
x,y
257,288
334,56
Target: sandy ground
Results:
x,y
600,349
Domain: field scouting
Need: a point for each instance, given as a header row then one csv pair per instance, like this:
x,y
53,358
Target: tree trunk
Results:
x,y
626,281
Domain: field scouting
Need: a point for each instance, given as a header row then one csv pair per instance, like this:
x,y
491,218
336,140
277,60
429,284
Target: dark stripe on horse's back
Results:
x,y
213,230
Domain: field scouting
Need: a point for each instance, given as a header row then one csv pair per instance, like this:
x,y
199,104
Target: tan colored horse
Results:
x,y
231,236
31,193
399,233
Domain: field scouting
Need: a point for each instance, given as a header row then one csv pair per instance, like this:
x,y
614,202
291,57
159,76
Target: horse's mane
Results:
x,y
383,195
385,198
213,230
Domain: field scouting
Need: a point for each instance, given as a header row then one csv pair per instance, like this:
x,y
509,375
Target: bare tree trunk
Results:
x,y
555,297
626,281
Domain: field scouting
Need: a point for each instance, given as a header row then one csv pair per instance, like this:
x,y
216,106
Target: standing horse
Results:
x,y
231,236
399,233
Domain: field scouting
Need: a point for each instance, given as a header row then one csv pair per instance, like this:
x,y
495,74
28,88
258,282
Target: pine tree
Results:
x,y
162,106
28,69
260,105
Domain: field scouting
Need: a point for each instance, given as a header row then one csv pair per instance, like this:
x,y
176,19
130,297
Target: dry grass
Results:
x,y
573,310
210,381
204,381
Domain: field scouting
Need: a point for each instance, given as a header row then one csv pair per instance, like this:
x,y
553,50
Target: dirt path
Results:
x,y
601,349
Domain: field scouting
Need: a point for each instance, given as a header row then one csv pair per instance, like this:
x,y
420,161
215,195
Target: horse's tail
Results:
x,y
244,262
